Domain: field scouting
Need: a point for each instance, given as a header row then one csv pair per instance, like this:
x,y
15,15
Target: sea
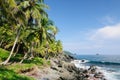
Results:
x,y
108,64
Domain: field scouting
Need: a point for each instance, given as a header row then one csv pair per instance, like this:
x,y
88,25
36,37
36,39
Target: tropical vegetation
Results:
x,y
26,28
27,33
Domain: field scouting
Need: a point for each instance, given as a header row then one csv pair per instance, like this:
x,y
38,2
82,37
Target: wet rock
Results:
x,y
93,69
85,71
82,60
68,71
98,75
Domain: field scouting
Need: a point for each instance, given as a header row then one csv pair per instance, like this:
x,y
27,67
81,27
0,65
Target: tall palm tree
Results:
x,y
29,22
21,14
59,46
7,35
12,13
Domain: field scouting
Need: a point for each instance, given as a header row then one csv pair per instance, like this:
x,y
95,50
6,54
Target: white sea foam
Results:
x,y
108,75
79,63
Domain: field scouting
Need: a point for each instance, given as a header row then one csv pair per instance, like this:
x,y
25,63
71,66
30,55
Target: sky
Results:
x,y
87,26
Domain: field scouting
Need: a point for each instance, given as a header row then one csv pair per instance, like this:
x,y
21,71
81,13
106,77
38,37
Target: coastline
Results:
x,y
63,67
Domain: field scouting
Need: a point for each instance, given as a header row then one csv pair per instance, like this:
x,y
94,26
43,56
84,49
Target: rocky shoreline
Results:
x,y
61,68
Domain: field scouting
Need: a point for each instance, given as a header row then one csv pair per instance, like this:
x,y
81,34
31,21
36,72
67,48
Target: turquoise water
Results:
x,y
110,64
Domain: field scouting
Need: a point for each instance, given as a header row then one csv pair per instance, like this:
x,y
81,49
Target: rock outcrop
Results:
x,y
62,69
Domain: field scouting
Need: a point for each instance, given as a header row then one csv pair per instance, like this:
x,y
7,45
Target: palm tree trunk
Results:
x,y
46,52
1,42
16,50
11,53
31,51
25,56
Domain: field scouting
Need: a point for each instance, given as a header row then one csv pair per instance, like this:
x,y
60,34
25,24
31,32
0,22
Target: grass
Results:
x,y
13,71
20,67
3,54
38,61
10,72
6,74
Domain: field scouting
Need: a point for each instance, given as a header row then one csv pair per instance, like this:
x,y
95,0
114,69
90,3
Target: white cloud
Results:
x,y
105,40
107,32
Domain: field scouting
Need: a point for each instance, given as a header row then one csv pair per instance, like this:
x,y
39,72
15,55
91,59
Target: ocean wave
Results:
x,y
108,75
103,62
80,61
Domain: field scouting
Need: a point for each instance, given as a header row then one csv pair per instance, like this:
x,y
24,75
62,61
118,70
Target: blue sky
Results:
x,y
87,26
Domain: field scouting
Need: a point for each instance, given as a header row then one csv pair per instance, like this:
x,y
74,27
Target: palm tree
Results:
x,y
11,16
35,12
30,25
7,36
59,46
21,14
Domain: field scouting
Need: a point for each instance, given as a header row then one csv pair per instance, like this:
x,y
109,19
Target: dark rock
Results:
x,y
92,69
60,64
82,60
70,67
54,68
65,57
104,79
85,71
97,75
87,76
45,79
56,61
66,76
61,71
68,71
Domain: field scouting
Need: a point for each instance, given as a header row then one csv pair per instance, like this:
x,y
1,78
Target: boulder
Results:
x,y
54,68
70,67
45,79
93,69
98,75
66,76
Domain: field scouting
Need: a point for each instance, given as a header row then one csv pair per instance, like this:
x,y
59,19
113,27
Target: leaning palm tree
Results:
x,y
10,9
22,14
41,37
35,12
30,24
